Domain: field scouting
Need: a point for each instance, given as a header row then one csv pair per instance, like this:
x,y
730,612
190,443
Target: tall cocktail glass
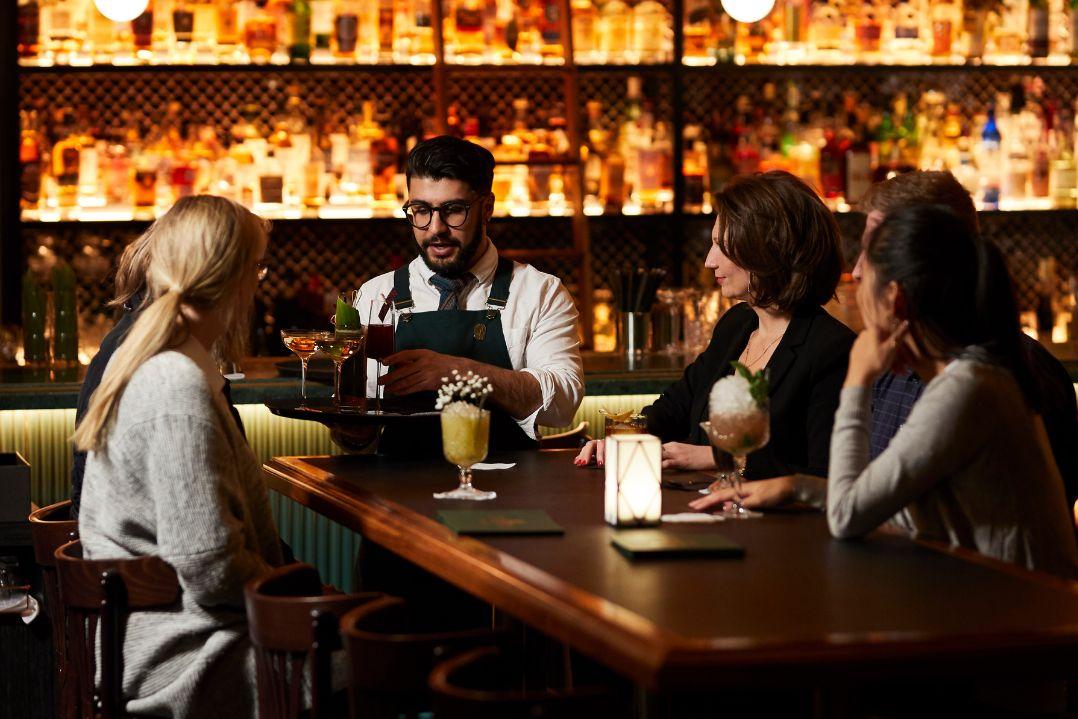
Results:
x,y
465,435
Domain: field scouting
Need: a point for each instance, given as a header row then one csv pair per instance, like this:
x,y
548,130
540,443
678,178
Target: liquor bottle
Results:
x,y
387,18
270,181
468,45
868,30
695,169
1037,32
612,186
422,35
142,33
66,152
64,27
989,162
29,24
585,31
795,15
118,175
101,36
858,167
1008,36
183,22
592,153
975,30
322,29
1063,178
825,31
652,28
228,29
833,166
906,45
946,20
697,33
615,32
549,22
260,33
1072,25
30,159
65,325
300,50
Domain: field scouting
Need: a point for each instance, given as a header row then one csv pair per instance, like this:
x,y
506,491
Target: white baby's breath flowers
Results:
x,y
469,387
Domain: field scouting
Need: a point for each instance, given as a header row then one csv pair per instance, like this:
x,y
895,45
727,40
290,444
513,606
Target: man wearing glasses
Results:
x,y
460,306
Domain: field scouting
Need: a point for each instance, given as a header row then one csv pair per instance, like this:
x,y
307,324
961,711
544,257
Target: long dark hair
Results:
x,y
957,288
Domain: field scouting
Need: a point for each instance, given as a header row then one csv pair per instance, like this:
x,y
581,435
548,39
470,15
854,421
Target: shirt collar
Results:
x,y
198,354
482,268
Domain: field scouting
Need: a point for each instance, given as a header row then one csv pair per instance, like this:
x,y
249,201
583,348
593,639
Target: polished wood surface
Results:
x,y
799,606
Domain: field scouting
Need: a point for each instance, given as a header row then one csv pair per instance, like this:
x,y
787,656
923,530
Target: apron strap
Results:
x,y
402,290
499,289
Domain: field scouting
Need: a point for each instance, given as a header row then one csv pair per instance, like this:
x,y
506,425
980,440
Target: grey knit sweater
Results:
x,y
178,480
971,467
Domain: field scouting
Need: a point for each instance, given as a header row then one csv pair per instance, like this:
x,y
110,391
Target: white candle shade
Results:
x,y
633,480
748,10
121,10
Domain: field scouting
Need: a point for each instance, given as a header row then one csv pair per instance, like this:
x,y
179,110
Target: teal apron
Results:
x,y
475,334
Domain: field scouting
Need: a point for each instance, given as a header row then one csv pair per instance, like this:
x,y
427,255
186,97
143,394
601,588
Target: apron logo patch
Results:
x,y
479,332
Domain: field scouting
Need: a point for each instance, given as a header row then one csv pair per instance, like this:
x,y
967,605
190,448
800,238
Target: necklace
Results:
x,y
769,345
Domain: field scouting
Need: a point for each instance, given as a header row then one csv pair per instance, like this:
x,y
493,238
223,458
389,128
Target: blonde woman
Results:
x,y
169,472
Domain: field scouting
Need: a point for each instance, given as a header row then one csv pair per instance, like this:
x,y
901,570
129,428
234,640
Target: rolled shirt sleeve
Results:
x,y
552,356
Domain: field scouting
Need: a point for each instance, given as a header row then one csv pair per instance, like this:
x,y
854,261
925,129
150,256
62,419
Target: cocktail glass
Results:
x,y
465,435
339,346
724,465
302,344
740,434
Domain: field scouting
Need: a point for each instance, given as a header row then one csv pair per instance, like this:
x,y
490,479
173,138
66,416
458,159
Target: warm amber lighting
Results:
x,y
121,10
633,480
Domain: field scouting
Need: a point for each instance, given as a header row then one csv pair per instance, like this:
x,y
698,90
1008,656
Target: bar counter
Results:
x,y
799,608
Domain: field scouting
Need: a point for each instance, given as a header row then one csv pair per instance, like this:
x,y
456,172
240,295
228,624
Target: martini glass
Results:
x,y
339,346
302,344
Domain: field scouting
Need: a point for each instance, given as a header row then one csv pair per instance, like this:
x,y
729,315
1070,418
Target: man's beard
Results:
x,y
462,262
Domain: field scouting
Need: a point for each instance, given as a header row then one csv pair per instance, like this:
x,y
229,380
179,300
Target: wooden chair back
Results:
x,y
572,439
51,527
103,593
294,623
392,647
484,684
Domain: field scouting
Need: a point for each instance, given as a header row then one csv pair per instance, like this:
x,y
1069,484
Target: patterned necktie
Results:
x,y
449,289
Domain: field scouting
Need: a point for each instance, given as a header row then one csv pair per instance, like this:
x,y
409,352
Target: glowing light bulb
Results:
x,y
121,10
748,10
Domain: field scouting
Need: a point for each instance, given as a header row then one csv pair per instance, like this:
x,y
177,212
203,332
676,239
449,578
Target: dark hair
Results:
x,y
920,187
775,227
956,285
450,158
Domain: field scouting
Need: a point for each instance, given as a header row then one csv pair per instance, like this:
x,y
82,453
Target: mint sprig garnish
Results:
x,y
758,386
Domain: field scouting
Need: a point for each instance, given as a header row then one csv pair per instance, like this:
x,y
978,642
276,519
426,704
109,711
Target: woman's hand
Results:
x,y
677,455
768,493
872,354
594,449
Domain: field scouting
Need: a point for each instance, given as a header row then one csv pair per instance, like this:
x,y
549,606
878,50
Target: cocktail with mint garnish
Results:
x,y
740,422
465,429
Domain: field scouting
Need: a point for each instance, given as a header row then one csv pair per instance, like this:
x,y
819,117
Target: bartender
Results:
x,y
461,306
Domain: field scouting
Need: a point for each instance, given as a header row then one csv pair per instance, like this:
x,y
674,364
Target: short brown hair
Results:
x,y
775,227
921,187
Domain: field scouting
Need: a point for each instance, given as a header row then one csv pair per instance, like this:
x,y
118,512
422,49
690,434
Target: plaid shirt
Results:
x,y
893,396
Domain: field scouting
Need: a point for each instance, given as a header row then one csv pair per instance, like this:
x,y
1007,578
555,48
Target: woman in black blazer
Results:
x,y
775,247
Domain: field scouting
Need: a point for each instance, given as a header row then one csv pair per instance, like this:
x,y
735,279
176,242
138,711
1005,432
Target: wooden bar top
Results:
x,y
800,607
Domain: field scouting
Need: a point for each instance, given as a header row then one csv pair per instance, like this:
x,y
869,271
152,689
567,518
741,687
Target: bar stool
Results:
x,y
571,439
484,683
392,647
292,622
104,592
51,527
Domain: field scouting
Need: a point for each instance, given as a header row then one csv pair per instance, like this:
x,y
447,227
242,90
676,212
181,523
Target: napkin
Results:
x,y
693,518
494,465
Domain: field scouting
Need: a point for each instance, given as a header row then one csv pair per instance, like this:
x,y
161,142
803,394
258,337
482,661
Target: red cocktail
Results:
x,y
379,341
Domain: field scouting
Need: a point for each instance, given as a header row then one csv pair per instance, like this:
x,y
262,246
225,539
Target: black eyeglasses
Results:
x,y
454,214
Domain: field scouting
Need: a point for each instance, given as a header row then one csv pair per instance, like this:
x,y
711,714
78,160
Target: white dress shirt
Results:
x,y
539,323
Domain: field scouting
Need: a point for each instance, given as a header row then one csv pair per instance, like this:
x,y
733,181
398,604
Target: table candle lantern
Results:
x,y
633,480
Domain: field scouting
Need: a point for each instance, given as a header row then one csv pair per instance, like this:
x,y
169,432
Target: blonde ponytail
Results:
x,y
153,331
201,252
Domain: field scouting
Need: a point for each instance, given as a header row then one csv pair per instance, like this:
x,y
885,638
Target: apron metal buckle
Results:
x,y
491,314
406,317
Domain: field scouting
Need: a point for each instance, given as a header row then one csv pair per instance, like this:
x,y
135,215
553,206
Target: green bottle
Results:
x,y
35,344
65,335
301,31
